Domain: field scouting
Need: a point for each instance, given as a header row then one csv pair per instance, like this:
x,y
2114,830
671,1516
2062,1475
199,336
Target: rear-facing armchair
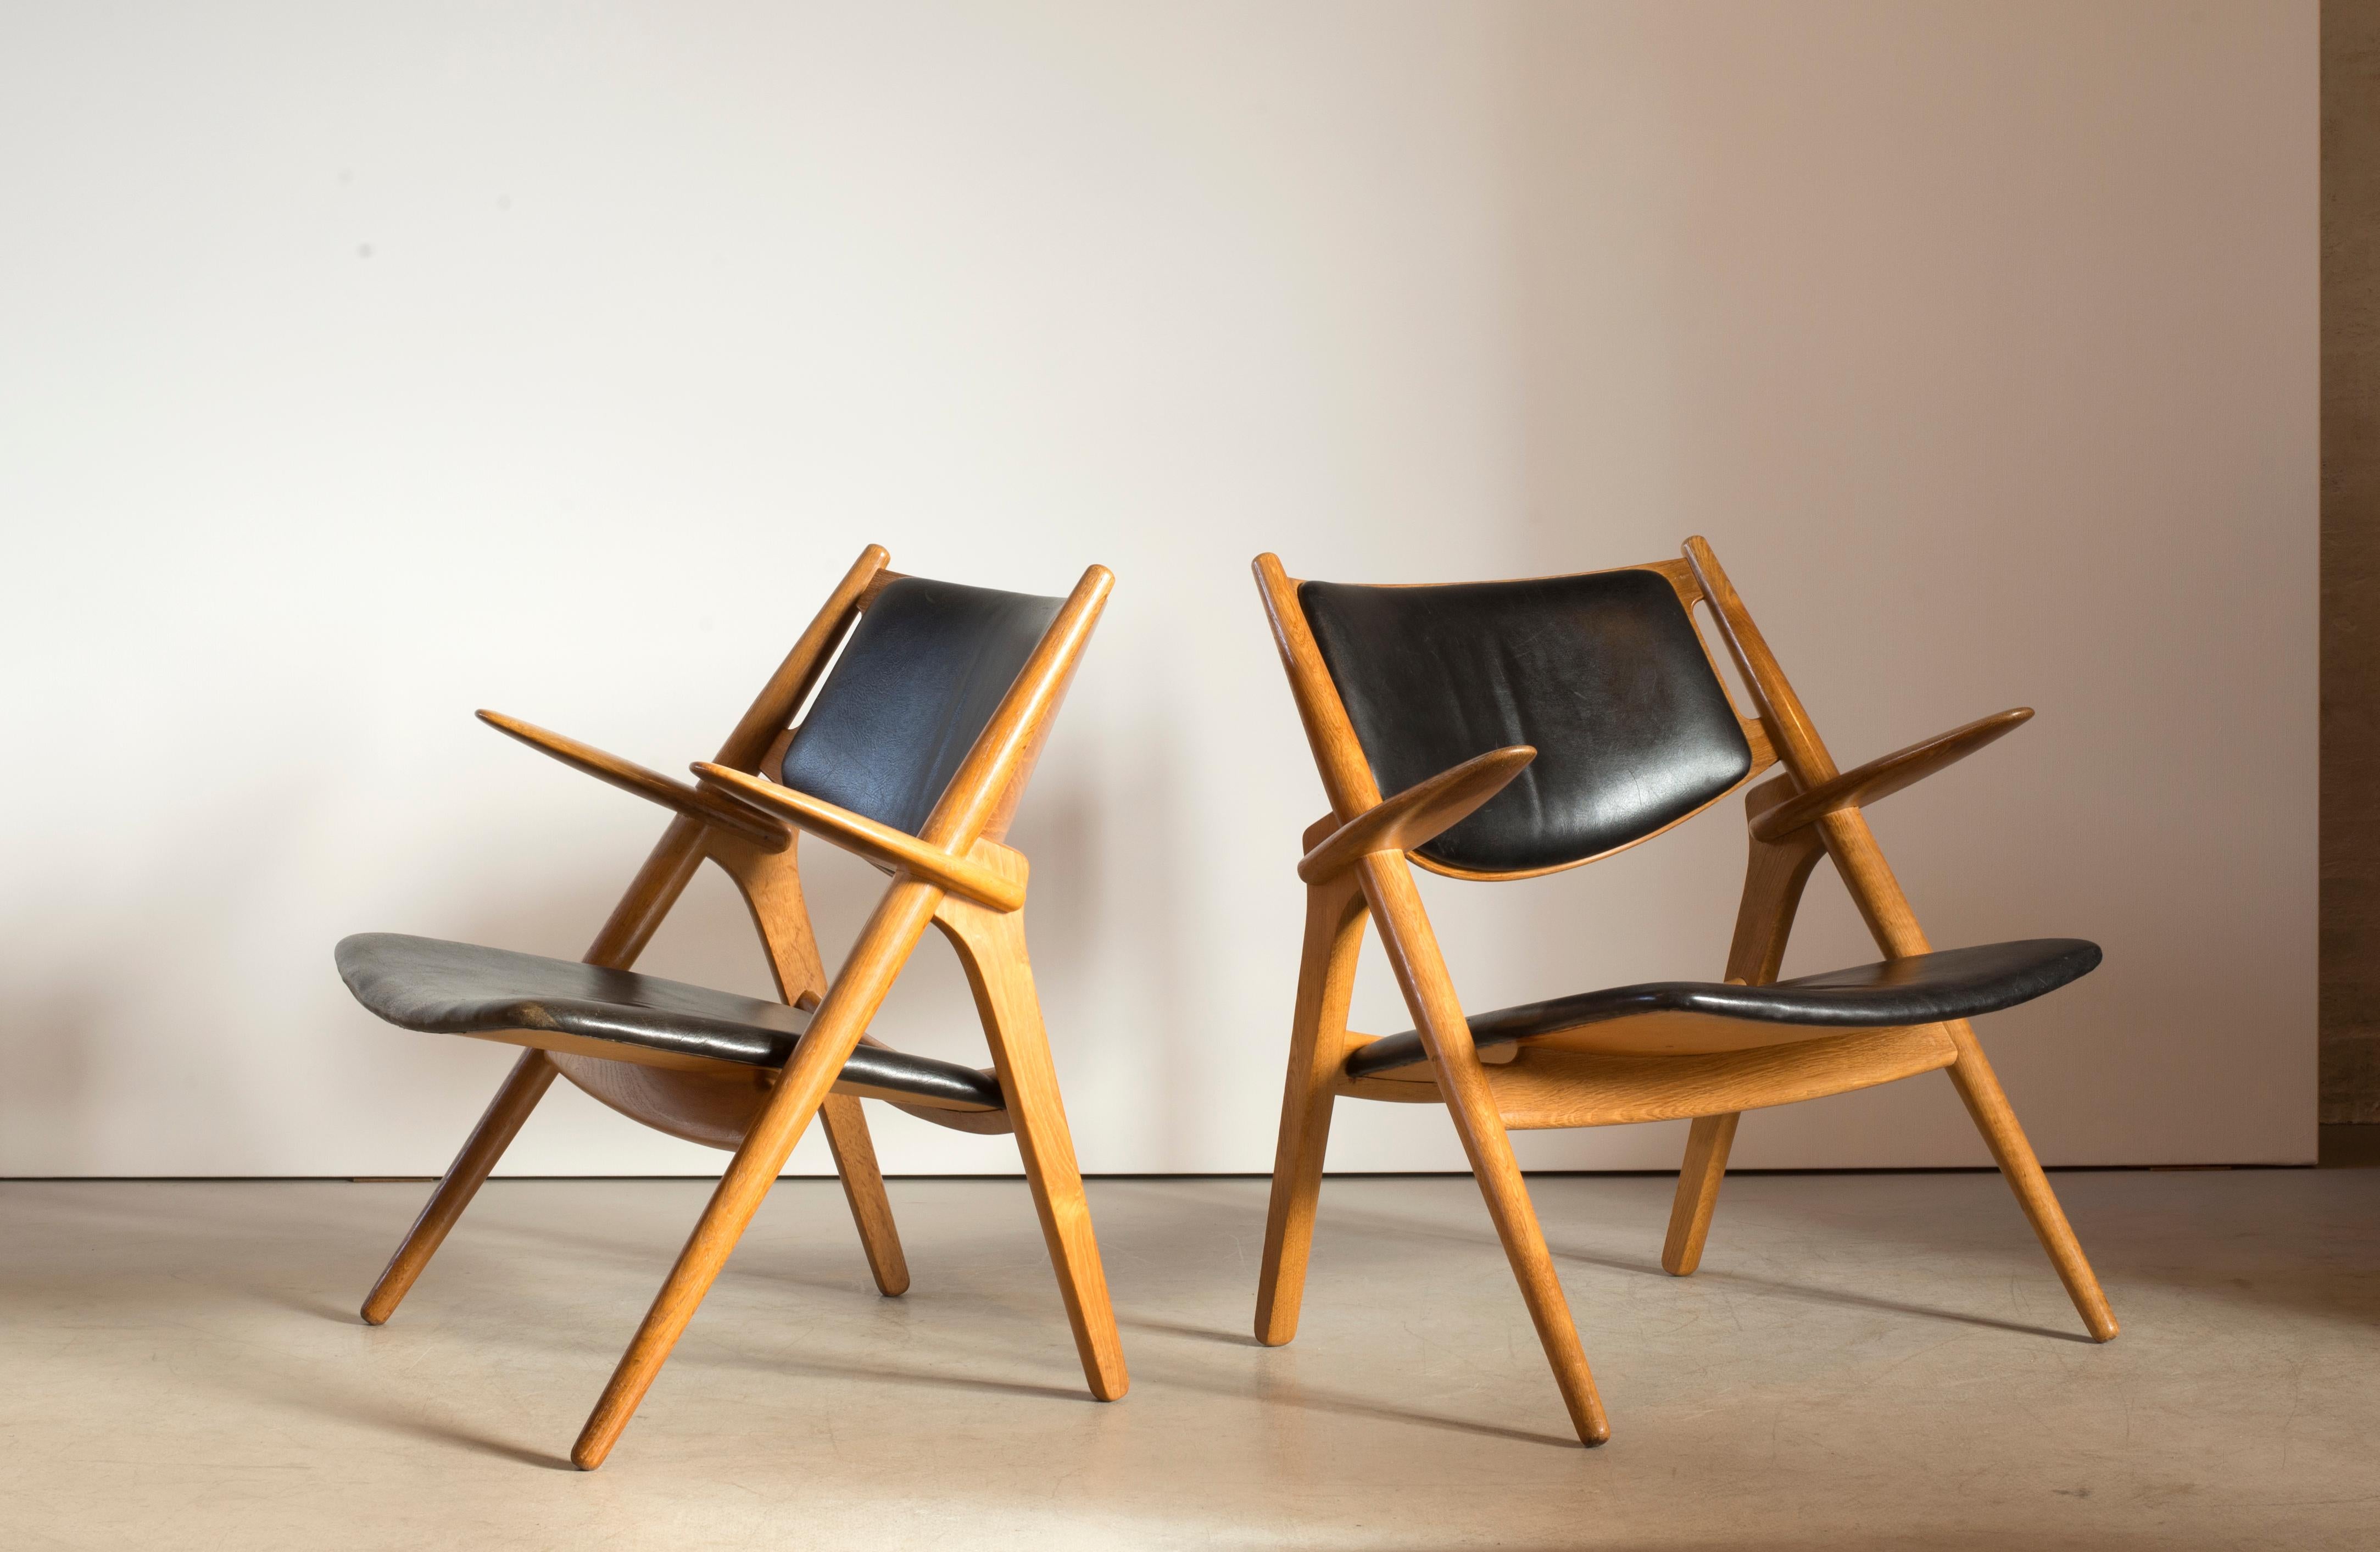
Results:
x,y
913,754
1520,728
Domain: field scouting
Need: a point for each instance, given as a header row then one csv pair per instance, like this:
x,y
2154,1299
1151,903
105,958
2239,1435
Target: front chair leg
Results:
x,y
1980,1088
1490,1150
863,1187
1413,954
876,960
1877,894
1326,980
523,1087
991,946
770,882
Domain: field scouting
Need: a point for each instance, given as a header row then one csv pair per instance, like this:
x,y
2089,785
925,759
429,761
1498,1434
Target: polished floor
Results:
x,y
1863,1360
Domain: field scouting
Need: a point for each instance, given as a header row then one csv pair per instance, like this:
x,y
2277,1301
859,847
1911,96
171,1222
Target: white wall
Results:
x,y
362,365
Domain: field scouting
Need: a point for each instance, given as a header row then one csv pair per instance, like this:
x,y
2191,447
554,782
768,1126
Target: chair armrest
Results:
x,y
1416,815
881,843
768,834
1883,776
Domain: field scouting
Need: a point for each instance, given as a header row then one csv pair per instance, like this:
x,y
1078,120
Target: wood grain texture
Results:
x,y
984,788
770,882
794,678
1396,904
1413,953
1877,894
990,946
1708,1141
1542,1089
884,946
1774,876
888,847
710,808
1335,914
1888,773
523,1087
1789,729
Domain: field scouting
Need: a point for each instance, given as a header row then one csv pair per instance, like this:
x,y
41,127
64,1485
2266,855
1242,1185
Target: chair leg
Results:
x,y
1421,973
1873,889
526,1084
1774,878
1490,1151
770,882
1326,978
991,946
1980,1088
863,1187
1698,1181
876,960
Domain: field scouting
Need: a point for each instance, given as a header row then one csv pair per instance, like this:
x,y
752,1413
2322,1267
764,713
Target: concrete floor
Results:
x,y
1873,1360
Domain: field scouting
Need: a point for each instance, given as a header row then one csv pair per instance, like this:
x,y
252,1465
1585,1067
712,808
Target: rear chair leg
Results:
x,y
530,1077
1326,978
991,946
1699,1180
1774,878
863,1187
770,882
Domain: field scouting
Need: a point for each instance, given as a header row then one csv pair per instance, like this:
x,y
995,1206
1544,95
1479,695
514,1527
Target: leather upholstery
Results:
x,y
1603,673
917,682
1922,989
459,988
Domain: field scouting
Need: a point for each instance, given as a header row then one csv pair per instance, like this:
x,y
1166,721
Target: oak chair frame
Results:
x,y
1358,864
954,874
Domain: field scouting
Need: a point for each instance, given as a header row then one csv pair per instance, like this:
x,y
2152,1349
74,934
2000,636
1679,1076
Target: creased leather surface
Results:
x,y
1603,673
924,669
1922,989
460,988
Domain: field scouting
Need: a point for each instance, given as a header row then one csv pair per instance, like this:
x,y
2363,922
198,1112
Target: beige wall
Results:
x,y
368,364
2350,561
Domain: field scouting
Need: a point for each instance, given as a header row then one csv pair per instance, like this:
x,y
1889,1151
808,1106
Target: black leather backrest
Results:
x,y
924,669
1603,673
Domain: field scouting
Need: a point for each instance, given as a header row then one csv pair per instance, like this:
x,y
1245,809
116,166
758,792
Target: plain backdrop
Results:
x,y
362,365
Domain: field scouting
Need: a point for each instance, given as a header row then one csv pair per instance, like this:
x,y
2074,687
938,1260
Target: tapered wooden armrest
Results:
x,y
1416,815
1883,776
760,829
856,831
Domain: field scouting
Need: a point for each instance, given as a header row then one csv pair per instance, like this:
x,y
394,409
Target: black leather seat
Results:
x,y
459,988
1922,989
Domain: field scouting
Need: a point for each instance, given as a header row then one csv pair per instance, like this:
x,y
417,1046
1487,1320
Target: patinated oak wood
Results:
x,y
981,793
1869,880
1357,868
953,873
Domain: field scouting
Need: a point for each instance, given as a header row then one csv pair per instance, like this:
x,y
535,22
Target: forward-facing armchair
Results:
x,y
1502,730
913,753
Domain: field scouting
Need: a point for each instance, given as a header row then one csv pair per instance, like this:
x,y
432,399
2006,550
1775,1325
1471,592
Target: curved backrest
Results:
x,y
1604,672
919,678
